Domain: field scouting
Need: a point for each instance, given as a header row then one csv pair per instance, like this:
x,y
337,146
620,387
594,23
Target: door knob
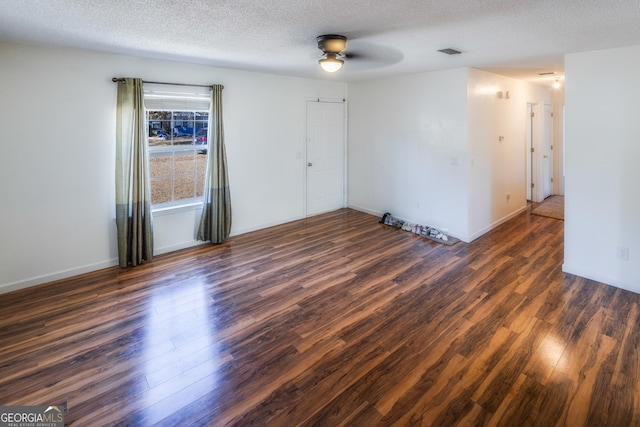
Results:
x,y
309,164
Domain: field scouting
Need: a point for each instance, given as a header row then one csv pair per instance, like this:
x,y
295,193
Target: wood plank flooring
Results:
x,y
331,321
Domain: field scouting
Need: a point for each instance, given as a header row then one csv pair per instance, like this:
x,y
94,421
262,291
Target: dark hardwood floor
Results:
x,y
332,320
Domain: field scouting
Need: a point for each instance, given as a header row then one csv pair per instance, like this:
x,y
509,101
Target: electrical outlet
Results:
x,y
623,253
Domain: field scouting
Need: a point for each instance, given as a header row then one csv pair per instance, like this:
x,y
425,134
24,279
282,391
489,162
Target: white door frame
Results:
x,y
546,163
536,140
531,148
305,154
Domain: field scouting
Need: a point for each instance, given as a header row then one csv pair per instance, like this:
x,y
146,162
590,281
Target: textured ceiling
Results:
x,y
520,38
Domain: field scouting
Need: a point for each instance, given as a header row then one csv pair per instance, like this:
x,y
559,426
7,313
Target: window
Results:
x,y
177,129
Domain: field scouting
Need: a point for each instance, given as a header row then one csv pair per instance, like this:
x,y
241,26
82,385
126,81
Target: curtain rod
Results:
x,y
115,79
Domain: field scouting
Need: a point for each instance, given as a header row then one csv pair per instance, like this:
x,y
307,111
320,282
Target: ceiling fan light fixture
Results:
x,y
331,63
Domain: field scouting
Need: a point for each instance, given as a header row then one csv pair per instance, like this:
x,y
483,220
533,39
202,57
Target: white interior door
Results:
x,y
325,156
547,155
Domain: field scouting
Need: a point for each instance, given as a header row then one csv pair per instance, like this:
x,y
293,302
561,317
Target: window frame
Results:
x,y
195,107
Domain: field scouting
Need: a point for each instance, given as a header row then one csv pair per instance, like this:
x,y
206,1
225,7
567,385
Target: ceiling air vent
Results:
x,y
450,51
548,73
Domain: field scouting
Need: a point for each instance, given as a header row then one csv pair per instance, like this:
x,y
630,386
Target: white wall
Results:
x,y
558,141
408,149
497,177
426,148
57,117
602,131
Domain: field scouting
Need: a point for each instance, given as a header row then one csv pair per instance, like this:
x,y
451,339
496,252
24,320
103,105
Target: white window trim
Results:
x,y
183,204
176,207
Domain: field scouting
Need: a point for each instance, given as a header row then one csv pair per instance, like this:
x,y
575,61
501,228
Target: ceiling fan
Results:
x,y
331,45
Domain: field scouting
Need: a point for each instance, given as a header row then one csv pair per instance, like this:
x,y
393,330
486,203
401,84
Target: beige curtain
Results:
x,y
133,196
215,222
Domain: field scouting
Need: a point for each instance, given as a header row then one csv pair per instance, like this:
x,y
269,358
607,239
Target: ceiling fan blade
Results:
x,y
364,55
354,55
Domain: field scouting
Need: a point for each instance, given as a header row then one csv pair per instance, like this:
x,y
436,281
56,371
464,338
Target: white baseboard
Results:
x,y
379,214
465,239
365,210
576,271
46,278
34,281
172,248
494,224
265,225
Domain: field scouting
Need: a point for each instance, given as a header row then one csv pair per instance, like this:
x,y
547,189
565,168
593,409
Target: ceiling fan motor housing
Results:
x,y
331,43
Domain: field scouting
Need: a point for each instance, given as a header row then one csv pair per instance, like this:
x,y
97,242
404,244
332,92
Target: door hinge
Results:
x,y
533,150
551,179
533,114
552,114
532,185
552,147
